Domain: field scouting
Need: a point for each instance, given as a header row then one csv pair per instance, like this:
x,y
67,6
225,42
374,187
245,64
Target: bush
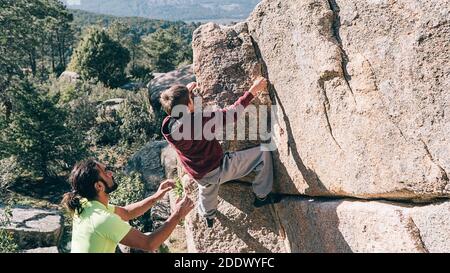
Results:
x,y
7,243
141,73
107,128
36,133
9,172
125,122
131,189
137,120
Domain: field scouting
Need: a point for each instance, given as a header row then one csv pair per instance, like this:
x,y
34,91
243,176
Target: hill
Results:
x,y
186,10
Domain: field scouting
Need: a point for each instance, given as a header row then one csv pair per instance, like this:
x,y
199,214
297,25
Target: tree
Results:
x,y
36,133
99,57
166,49
35,37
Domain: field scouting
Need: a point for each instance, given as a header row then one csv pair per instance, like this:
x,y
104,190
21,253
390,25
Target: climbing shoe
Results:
x,y
271,198
210,222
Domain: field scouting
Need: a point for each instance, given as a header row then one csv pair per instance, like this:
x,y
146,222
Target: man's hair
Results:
x,y
175,95
82,179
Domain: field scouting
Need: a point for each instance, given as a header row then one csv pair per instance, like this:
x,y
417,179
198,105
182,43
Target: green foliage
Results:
x,y
7,242
179,190
131,189
107,128
137,120
126,122
37,134
163,249
101,58
35,35
35,39
9,172
141,73
166,49
137,26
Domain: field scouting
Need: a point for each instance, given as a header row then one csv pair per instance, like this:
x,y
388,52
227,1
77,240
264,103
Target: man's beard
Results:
x,y
111,189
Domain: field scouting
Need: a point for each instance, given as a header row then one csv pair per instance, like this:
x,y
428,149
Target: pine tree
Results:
x,y
166,49
100,57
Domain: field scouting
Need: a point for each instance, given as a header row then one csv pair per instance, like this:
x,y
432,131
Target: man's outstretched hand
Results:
x,y
165,186
259,84
183,207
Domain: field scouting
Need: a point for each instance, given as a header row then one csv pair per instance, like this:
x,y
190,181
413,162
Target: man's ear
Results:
x,y
99,187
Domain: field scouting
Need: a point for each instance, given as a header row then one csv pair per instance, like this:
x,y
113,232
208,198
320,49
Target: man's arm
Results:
x,y
136,239
137,209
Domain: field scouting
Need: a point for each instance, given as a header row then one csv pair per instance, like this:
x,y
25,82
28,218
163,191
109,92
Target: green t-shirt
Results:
x,y
98,229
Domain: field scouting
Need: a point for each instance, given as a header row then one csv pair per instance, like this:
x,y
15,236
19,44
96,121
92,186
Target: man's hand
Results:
x,y
165,186
259,85
183,207
191,86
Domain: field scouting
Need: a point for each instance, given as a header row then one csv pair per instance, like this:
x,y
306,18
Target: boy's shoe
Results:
x,y
210,222
271,198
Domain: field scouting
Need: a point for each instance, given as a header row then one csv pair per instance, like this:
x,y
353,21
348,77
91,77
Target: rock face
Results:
x,y
225,63
69,76
239,226
156,161
35,228
357,226
147,162
52,249
361,92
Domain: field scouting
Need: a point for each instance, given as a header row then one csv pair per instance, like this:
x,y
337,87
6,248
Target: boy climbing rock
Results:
x,y
203,158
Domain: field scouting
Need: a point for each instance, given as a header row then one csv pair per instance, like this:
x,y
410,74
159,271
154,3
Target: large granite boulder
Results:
x,y
156,161
69,76
361,89
147,162
343,225
35,228
239,227
52,249
225,64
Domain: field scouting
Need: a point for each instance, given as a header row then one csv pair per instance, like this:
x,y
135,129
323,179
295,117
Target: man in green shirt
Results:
x,y
99,227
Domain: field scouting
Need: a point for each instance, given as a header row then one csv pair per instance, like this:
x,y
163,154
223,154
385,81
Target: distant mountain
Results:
x,y
187,10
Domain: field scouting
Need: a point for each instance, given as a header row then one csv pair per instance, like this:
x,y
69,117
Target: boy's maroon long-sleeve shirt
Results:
x,y
200,157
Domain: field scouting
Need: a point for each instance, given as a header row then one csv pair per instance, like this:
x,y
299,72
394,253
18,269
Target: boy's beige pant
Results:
x,y
235,165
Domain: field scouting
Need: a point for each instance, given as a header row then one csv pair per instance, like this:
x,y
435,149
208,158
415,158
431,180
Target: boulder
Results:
x,y
52,249
69,76
160,212
345,225
169,161
156,161
225,64
239,227
360,89
35,228
147,162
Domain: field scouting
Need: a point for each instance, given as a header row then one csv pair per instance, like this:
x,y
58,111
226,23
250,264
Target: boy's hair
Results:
x,y
175,95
